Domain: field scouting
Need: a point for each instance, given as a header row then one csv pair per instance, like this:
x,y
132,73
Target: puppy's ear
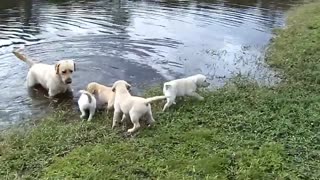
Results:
x,y
113,88
128,86
91,89
167,86
56,67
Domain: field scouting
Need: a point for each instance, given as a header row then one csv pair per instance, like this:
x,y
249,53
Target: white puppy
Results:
x,y
183,87
55,78
87,101
131,106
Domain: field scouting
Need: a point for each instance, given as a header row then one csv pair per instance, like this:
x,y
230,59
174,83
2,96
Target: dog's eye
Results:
x,y
63,72
71,71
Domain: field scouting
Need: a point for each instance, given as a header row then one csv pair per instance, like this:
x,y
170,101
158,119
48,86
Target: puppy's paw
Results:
x,y
82,116
130,130
150,125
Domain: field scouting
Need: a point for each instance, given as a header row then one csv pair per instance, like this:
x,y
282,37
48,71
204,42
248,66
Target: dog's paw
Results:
x,y
150,125
130,130
127,135
82,116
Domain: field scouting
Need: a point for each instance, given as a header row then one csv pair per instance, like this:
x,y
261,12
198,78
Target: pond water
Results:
x,y
143,42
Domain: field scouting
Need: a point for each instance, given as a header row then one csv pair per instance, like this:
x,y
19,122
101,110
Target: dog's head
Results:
x,y
201,80
120,84
65,68
92,87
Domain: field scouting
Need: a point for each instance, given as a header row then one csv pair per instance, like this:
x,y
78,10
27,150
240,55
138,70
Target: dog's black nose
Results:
x,y
68,81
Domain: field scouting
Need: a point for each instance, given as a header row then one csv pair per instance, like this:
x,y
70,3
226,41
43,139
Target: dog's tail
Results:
x,y
83,91
89,95
22,57
155,98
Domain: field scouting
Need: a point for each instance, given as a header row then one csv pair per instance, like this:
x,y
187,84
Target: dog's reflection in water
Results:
x,y
39,96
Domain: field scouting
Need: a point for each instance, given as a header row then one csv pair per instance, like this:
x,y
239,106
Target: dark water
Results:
x,y
144,42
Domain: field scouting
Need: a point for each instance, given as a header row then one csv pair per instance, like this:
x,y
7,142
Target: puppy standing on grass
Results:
x,y
104,94
55,78
87,102
183,87
131,106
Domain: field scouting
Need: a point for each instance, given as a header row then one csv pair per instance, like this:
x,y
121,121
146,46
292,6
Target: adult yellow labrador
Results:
x,y
55,78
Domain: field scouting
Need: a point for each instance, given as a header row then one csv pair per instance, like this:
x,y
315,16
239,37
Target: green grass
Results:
x,y
241,131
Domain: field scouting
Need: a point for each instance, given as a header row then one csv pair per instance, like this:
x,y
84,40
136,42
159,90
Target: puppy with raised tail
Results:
x,y
131,106
87,101
184,87
54,78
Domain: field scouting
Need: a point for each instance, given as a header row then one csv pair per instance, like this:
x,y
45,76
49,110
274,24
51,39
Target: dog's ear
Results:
x,y
91,89
128,86
167,86
113,88
56,67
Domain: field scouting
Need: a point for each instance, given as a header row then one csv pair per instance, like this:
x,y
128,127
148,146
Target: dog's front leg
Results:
x,y
124,118
196,95
109,107
116,117
170,101
51,94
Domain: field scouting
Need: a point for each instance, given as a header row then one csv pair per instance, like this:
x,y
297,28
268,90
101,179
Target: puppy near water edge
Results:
x,y
54,78
184,87
131,106
87,101
104,94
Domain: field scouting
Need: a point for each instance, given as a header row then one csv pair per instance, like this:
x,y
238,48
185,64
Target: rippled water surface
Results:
x,y
143,42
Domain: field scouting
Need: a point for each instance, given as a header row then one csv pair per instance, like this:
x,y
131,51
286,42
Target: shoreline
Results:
x,y
240,131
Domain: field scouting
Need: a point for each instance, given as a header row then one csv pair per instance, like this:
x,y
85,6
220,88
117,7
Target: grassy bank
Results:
x,y
241,131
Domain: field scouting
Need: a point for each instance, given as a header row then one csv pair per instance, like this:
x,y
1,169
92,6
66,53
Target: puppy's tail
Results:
x,y
89,95
155,98
22,57
83,91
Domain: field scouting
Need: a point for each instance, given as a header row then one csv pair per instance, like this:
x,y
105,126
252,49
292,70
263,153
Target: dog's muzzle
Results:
x,y
68,81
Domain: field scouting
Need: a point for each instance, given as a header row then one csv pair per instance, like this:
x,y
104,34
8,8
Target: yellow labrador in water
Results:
x,y
131,106
55,78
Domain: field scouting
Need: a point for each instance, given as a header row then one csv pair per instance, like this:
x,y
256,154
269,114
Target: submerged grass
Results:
x,y
240,131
